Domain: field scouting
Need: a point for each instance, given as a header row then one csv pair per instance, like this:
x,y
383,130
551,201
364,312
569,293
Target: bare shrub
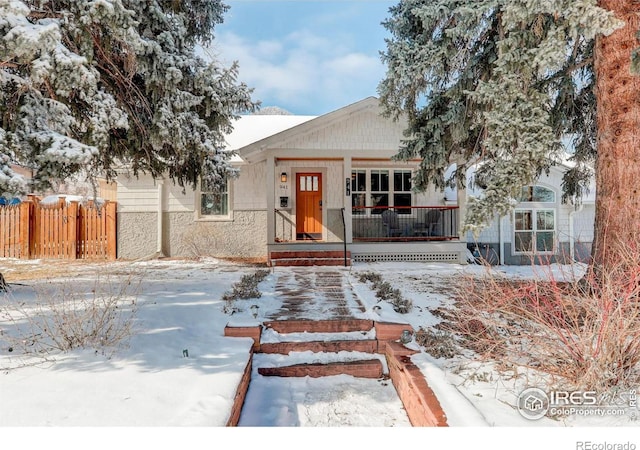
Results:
x,y
385,291
440,344
585,332
201,240
372,277
64,316
244,289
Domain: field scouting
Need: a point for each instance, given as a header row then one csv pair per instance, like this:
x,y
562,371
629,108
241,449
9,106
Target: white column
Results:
x,y
347,200
271,200
462,211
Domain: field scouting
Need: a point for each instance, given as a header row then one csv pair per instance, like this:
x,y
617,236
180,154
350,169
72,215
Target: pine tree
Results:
x,y
499,84
617,226
93,85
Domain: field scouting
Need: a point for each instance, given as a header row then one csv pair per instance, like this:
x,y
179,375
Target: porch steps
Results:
x,y
320,326
309,258
356,347
364,368
330,336
348,347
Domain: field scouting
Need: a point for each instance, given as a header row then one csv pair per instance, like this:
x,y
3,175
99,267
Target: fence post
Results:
x,y
72,230
25,236
33,201
110,209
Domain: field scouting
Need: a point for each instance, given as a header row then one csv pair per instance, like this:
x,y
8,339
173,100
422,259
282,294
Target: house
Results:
x,y
541,229
322,190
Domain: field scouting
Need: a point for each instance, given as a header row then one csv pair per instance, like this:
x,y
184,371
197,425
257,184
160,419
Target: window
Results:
x,y
402,191
538,194
214,202
377,189
358,192
534,224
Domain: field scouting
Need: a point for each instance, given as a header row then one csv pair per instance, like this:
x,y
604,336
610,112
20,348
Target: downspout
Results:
x,y
572,244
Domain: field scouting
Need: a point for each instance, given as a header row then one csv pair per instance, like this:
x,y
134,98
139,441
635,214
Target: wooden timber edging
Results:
x,y
420,402
241,393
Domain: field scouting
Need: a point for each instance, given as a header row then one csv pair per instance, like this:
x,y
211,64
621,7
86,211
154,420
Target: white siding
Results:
x,y
176,200
367,131
137,194
248,191
583,223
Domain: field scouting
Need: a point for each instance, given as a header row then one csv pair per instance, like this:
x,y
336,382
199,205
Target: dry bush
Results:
x,y
65,315
438,343
201,240
244,289
385,291
585,332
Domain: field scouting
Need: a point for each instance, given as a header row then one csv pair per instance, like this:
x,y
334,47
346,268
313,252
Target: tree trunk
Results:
x,y
617,221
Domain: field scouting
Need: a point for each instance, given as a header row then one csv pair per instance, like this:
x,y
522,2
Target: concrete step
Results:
x,y
305,262
309,258
308,254
361,368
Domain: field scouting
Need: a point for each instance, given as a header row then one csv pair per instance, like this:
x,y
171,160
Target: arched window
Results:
x,y
537,194
534,221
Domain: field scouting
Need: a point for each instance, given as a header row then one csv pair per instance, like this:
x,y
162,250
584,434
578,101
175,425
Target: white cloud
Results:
x,y
304,72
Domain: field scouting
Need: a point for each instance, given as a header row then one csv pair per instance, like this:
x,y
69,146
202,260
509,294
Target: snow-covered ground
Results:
x,y
151,386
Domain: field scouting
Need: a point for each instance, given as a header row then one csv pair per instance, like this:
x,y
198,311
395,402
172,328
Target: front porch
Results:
x,y
419,233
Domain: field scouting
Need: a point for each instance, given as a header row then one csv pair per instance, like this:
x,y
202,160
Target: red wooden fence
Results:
x,y
62,230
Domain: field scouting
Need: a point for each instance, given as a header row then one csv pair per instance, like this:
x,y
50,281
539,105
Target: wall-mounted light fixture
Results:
x,y
283,177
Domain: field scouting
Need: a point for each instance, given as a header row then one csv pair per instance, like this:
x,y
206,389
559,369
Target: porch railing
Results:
x,y
285,227
404,223
386,224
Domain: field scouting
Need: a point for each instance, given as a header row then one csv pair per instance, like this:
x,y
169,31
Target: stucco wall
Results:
x,y
137,234
244,237
335,232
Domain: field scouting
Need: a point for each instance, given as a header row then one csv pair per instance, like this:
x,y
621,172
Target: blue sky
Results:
x,y
309,57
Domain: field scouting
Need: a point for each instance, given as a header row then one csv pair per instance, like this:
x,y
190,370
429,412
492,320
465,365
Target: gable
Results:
x,y
358,130
366,132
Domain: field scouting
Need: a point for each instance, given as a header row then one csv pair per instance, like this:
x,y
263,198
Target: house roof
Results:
x,y
451,194
252,128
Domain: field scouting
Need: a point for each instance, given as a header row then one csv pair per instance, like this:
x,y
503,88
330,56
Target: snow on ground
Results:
x,y
151,383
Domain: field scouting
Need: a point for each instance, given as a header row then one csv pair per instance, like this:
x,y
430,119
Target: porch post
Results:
x,y
347,200
271,201
462,211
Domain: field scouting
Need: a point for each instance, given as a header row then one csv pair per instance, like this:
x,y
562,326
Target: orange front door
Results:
x,y
309,206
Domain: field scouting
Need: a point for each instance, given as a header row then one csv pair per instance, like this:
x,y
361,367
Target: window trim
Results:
x,y
535,208
214,217
390,193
